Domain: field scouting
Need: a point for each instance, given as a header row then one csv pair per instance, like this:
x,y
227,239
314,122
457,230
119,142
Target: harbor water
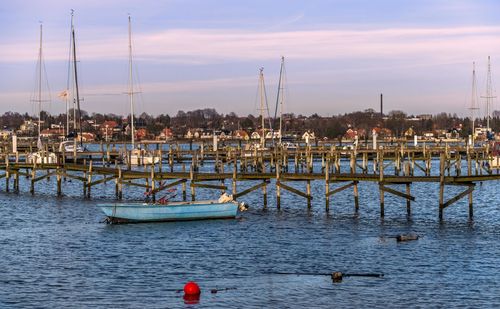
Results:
x,y
56,252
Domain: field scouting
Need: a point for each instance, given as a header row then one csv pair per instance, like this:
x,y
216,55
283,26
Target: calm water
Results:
x,y
56,253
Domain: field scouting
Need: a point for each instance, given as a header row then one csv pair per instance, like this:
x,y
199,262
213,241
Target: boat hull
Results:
x,y
176,211
144,160
41,158
494,162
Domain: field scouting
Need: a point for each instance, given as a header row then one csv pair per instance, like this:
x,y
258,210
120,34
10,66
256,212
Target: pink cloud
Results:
x,y
209,46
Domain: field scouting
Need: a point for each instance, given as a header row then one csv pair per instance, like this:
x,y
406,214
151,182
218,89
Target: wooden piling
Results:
x,y
381,181
356,197
441,185
264,193
183,186
59,179
327,187
408,202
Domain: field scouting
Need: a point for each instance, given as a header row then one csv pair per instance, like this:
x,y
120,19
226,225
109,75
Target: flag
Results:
x,y
63,95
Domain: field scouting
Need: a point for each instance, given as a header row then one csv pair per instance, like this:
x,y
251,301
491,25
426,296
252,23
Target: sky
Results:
x,y
193,54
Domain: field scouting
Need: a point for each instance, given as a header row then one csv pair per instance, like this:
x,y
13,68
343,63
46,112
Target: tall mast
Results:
x,y
40,59
131,82
69,73
473,106
76,85
262,96
281,96
489,96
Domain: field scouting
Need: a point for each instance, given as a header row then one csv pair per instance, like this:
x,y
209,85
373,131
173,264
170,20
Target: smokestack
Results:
x,y
381,105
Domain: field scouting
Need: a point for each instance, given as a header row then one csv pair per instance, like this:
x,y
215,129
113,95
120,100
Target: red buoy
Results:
x,y
191,288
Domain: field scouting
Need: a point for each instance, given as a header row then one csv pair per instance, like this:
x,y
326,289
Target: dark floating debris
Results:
x,y
404,237
407,237
214,291
336,276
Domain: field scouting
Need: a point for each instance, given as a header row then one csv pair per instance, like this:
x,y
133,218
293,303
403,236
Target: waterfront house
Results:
x,y
5,134
28,126
308,135
52,133
166,134
141,134
109,128
351,134
409,133
241,134
256,134
86,137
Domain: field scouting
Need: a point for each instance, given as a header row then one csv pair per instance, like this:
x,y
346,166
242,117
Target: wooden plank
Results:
x,y
459,196
293,190
131,183
395,192
419,166
244,192
347,186
208,186
101,181
44,176
74,177
172,184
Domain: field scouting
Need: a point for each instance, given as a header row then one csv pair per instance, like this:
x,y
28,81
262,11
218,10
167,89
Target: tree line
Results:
x,y
398,122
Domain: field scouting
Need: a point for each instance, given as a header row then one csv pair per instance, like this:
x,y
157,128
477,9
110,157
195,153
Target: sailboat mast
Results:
x,y
40,84
76,86
488,96
473,99
131,82
281,89
69,74
261,90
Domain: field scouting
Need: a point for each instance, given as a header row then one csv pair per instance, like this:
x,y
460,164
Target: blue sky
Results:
x,y
340,55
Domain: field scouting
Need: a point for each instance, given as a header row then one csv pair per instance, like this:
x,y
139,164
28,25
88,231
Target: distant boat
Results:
x,y
143,157
70,146
223,208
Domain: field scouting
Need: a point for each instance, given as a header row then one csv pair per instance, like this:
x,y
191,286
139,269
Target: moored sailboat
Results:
x,y
135,156
41,156
70,145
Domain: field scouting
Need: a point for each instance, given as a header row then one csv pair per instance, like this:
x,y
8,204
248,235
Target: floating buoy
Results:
x,y
192,288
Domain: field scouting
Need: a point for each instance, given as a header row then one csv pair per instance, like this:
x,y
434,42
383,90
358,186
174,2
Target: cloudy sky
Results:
x,y
189,54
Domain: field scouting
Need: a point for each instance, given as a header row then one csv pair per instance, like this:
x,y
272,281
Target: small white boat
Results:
x,y
141,157
224,208
70,146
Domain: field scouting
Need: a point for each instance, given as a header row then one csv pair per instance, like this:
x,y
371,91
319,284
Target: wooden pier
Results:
x,y
338,169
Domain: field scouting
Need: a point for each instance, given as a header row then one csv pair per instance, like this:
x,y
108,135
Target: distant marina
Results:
x,y
180,165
